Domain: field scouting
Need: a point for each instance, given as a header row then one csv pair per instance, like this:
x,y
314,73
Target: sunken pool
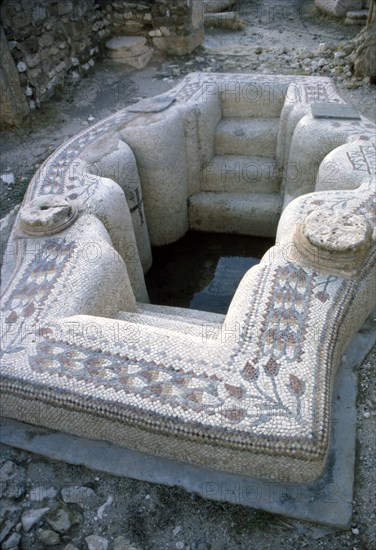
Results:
x,y
203,270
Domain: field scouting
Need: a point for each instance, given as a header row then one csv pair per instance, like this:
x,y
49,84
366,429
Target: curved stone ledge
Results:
x,y
251,393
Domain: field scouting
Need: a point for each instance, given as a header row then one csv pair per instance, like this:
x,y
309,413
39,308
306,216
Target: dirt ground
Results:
x,y
278,38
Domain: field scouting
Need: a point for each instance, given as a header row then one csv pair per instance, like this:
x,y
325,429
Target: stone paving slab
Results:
x,y
328,500
334,110
152,105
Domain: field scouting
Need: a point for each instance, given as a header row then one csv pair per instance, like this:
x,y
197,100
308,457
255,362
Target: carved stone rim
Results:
x,y
333,242
47,215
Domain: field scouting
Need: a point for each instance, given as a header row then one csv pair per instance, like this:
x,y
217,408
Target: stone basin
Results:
x,y
248,393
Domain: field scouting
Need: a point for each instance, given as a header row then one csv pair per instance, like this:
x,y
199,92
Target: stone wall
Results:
x,y
13,104
54,42
179,25
173,25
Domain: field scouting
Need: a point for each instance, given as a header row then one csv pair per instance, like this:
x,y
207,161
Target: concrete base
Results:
x,y
328,500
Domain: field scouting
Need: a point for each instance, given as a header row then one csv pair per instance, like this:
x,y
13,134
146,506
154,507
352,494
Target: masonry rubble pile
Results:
x,y
327,59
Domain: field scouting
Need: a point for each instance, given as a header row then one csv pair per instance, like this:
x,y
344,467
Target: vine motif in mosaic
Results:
x,y
367,208
323,292
28,298
363,160
351,202
283,327
264,388
161,384
50,177
145,378
282,335
365,130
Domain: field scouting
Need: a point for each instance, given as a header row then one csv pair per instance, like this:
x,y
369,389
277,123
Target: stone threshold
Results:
x,y
328,500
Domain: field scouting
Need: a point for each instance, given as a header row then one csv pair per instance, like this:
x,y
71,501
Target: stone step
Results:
x,y
252,136
247,99
193,316
202,329
233,173
254,214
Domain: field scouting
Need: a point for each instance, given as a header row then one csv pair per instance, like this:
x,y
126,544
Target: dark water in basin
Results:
x,y
202,270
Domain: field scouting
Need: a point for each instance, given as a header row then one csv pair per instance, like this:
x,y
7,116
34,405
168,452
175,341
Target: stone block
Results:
x,y
131,50
240,213
39,14
227,20
133,26
21,67
197,14
338,8
180,45
33,73
126,44
22,19
65,7
30,45
165,31
61,66
335,110
46,39
164,185
32,60
139,61
156,32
